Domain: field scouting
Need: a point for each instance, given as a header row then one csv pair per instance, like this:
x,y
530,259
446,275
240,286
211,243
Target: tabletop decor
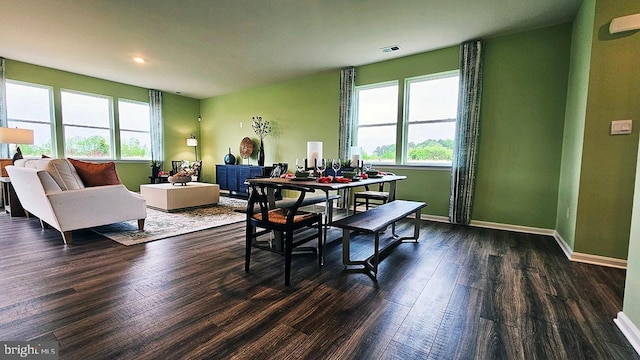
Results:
x,y
184,175
229,159
246,148
155,168
262,128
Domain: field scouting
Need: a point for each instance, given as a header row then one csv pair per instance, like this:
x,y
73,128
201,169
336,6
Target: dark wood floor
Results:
x,y
460,293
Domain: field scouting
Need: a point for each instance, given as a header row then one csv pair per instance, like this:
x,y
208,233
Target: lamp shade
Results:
x,y
192,142
16,136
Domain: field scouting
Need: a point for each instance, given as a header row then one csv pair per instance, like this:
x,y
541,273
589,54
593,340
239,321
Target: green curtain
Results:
x,y
157,139
347,84
463,169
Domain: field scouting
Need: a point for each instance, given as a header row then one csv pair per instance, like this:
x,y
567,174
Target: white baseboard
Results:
x,y
629,329
568,251
435,218
599,260
516,228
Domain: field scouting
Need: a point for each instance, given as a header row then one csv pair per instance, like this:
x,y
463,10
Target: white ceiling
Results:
x,y
204,48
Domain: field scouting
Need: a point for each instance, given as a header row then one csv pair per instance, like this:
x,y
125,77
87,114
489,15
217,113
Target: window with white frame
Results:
x,y
376,115
431,105
87,120
29,106
427,126
135,131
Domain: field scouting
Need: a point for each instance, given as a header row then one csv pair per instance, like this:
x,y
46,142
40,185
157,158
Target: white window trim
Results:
x,y
356,125
112,127
405,117
52,124
120,128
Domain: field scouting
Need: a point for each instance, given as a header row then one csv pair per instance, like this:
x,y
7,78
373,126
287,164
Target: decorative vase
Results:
x,y
154,171
229,159
261,154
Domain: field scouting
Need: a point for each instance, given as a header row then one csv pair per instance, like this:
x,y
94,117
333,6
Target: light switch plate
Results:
x,y
621,127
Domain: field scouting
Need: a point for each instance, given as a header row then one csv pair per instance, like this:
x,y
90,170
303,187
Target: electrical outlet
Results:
x,y
568,213
240,124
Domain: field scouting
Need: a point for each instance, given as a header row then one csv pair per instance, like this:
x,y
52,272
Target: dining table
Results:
x,y
343,188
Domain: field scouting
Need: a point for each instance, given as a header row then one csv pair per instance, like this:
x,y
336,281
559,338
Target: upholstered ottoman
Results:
x,y
170,197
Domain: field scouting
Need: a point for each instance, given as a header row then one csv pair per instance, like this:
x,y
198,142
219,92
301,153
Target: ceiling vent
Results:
x,y
388,49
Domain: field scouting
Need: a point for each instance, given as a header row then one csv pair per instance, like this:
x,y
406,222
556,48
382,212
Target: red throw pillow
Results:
x,y
96,174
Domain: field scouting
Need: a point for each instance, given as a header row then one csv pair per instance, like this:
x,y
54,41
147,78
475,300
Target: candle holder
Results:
x,y
314,154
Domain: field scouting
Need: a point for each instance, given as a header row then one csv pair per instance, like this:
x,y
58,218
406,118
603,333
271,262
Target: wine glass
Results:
x,y
322,165
300,166
366,166
335,165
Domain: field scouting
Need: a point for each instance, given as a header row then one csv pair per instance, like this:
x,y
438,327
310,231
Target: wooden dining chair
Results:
x,y
370,197
261,221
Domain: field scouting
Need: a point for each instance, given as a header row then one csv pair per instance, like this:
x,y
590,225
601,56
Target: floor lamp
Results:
x,y
16,136
192,141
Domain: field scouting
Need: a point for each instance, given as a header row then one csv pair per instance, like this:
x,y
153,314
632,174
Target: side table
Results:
x,y
11,203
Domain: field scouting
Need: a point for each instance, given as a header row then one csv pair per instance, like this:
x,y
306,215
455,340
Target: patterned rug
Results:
x,y
161,225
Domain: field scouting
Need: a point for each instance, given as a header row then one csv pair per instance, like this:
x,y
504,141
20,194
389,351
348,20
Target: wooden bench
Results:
x,y
375,221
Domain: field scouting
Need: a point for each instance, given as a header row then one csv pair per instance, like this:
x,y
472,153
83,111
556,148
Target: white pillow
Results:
x,y
63,172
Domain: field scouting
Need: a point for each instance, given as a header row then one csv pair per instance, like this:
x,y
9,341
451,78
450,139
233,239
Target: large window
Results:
x,y
135,133
29,107
376,118
431,108
87,121
426,127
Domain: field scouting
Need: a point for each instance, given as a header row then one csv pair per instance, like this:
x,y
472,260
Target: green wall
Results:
x,y
180,116
521,127
175,109
575,122
609,197
300,110
608,162
521,136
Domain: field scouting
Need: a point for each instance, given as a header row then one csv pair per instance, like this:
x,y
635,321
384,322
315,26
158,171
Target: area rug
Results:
x,y
162,225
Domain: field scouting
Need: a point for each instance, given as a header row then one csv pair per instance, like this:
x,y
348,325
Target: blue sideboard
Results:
x,y
233,177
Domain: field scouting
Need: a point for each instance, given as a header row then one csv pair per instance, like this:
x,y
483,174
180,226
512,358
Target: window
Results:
x,y
135,133
431,110
29,107
87,121
376,118
428,126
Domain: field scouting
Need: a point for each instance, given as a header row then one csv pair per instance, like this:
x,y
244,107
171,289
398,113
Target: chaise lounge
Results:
x,y
55,192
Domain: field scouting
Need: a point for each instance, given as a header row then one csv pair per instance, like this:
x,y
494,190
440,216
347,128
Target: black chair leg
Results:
x,y
320,245
248,241
287,257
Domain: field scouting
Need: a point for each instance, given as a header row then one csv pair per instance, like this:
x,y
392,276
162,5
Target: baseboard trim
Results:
x,y
629,329
516,228
435,218
568,251
599,260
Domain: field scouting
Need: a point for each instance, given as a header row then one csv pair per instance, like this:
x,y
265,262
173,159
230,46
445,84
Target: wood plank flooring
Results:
x,y
460,293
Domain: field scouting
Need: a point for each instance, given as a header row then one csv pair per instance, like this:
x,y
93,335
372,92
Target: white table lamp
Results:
x,y
16,136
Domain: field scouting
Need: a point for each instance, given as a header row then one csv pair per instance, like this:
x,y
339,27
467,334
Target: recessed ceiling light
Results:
x,y
139,60
391,48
